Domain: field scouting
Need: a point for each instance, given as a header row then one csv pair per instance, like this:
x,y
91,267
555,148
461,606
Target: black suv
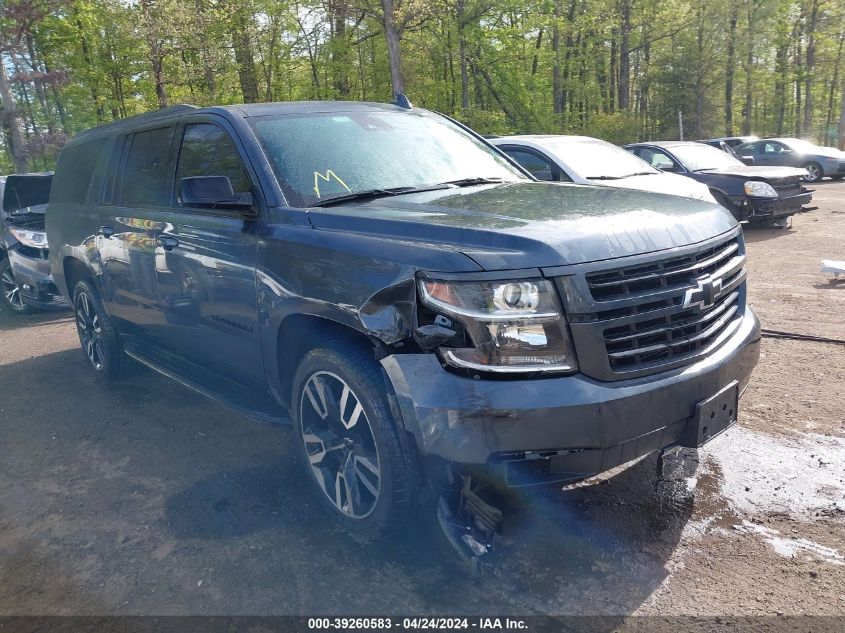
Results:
x,y
418,307
24,268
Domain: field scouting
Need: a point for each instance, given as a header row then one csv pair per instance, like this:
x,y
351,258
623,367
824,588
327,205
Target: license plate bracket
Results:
x,y
712,416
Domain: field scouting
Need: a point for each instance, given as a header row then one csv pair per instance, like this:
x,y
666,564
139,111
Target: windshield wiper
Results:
x,y
475,180
369,194
605,177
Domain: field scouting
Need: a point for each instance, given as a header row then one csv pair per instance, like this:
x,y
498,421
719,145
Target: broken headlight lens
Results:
x,y
515,326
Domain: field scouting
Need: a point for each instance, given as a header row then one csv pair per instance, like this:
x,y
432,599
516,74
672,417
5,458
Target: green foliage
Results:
x,y
530,66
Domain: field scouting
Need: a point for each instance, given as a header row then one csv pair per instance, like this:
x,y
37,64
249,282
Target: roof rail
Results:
x,y
140,118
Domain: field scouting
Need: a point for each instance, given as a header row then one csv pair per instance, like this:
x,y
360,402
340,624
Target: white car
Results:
x,y
585,160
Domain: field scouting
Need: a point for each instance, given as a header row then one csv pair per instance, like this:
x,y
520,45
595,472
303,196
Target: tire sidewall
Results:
x,y
108,341
26,308
381,422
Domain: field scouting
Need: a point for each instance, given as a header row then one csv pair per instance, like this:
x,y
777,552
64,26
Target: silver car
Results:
x,y
592,161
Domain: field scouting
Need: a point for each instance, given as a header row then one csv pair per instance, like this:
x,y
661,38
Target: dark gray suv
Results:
x,y
415,305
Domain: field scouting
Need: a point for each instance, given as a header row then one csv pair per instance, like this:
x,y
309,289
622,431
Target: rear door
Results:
x,y
205,259
776,153
135,191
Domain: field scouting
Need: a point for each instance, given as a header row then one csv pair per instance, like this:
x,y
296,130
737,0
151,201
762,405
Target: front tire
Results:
x,y
349,443
10,293
97,335
814,172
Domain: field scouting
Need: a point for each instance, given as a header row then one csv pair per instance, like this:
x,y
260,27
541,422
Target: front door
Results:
x,y
205,261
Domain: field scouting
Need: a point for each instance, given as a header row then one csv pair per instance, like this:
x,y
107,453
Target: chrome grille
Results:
x,y
669,311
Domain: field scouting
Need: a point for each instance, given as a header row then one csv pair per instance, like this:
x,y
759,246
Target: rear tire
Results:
x,y
10,293
349,443
814,172
98,337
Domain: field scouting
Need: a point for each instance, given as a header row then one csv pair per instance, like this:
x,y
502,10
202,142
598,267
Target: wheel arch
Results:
x,y
74,270
297,334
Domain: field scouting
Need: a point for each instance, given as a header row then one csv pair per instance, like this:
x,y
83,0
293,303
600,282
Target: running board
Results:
x,y
252,403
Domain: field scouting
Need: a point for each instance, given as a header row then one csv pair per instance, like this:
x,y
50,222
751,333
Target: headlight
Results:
x,y
760,189
515,326
33,239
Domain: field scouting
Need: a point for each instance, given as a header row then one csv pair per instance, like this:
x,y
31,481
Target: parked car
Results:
x,y
24,269
759,195
413,303
586,160
794,152
729,143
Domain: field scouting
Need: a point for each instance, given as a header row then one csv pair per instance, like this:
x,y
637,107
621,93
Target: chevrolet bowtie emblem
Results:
x,y
704,295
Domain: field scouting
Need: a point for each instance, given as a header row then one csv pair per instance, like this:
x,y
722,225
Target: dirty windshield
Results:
x,y
324,155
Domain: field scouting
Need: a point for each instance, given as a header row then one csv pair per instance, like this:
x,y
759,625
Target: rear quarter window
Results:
x,y
74,171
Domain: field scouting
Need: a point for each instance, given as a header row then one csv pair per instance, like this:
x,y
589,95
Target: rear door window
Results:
x,y
145,181
208,150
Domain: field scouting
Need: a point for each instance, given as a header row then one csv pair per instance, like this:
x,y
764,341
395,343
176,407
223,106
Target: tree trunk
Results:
x,y
625,55
86,55
205,52
733,18
12,123
842,117
810,65
394,54
535,60
35,64
780,90
340,48
557,88
244,56
749,71
460,8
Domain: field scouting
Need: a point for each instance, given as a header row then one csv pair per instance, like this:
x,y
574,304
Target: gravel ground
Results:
x,y
145,498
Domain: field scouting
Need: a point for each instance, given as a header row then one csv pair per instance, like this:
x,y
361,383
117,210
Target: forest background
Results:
x,y
622,70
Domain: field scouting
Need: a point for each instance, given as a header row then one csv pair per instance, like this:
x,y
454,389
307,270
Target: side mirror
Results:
x,y
664,166
212,192
748,160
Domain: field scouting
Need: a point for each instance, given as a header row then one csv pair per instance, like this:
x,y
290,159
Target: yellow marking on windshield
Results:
x,y
328,177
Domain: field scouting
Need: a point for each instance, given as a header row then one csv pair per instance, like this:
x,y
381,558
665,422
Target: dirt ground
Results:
x,y
145,498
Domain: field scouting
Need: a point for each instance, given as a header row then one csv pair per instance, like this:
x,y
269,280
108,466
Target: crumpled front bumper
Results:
x,y
769,208
35,280
570,427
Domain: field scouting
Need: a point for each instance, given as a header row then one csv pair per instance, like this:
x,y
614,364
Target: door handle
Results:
x,y
105,231
167,242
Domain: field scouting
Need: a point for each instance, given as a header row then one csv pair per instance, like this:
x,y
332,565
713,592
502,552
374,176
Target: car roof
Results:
x,y
244,110
665,144
568,138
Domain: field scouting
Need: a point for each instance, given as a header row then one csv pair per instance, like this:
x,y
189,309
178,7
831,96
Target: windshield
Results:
x,y
698,156
597,159
324,155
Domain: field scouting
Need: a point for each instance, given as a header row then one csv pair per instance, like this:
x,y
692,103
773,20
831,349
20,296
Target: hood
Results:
x,y
533,224
663,182
26,192
759,172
